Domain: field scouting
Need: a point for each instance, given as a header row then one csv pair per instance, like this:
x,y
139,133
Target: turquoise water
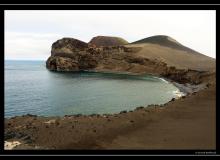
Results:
x,y
31,89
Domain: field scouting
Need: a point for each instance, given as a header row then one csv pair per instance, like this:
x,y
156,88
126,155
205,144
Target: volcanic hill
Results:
x,y
102,41
158,55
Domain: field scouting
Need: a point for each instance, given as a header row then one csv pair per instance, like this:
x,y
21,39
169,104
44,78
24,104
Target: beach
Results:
x,y
185,123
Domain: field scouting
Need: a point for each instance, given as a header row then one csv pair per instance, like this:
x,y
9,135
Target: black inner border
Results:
x,y
102,152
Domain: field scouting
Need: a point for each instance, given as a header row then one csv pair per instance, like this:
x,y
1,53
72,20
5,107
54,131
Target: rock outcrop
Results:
x,y
58,63
70,54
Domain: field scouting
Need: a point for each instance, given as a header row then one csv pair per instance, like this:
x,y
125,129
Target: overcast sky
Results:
x,y
30,34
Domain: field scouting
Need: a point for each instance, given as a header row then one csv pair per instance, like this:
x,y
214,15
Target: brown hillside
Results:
x,y
107,41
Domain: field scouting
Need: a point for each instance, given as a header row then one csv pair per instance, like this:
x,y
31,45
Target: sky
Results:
x,y
29,34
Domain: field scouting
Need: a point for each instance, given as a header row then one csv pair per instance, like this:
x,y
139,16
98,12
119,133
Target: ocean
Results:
x,y
32,89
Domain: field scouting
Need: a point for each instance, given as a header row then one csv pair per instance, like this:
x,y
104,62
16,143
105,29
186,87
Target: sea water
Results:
x,y
32,89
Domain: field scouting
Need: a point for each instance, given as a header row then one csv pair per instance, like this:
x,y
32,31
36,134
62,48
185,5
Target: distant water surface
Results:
x,y
31,89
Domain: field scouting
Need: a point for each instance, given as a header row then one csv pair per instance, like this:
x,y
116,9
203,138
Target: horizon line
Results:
x,y
24,60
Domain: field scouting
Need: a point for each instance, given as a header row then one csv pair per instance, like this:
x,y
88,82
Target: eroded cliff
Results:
x,y
70,54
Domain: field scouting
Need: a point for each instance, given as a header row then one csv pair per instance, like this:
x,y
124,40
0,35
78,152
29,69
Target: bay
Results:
x,y
32,89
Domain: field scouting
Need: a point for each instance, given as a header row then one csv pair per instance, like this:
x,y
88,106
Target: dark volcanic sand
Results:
x,y
186,123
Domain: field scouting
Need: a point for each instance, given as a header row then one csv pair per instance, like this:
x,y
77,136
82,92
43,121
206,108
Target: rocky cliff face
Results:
x,y
70,54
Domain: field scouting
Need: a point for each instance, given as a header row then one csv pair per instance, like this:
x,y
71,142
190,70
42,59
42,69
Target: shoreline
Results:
x,y
106,131
185,88
182,91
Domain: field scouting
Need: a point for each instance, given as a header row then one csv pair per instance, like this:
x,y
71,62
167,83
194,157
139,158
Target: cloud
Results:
x,y
33,32
28,45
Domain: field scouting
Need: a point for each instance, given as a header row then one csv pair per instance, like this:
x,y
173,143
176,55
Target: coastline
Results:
x,y
184,88
109,130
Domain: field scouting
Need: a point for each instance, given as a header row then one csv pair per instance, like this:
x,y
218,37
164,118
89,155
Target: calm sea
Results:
x,y
31,89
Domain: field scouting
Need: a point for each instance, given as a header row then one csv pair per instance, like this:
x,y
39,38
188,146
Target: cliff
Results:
x,y
158,55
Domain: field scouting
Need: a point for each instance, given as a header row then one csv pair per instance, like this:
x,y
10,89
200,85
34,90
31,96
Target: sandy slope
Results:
x,y
174,57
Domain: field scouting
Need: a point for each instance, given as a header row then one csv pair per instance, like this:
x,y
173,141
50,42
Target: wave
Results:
x,y
178,94
163,80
